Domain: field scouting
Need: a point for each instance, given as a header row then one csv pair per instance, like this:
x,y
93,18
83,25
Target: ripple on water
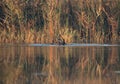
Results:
x,y
74,44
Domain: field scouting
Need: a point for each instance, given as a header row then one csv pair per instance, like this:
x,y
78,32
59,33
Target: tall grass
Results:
x,y
43,21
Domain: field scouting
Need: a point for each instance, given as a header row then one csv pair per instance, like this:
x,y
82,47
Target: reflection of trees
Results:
x,y
55,63
34,71
69,66
21,64
111,60
10,72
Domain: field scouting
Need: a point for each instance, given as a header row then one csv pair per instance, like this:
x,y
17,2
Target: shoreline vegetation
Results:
x,y
46,21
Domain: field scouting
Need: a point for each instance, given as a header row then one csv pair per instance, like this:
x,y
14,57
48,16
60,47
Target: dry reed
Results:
x,y
77,21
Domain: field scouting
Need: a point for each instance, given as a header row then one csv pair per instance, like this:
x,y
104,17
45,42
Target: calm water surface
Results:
x,y
57,64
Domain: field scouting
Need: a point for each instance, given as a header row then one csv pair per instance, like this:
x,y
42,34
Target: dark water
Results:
x,y
57,64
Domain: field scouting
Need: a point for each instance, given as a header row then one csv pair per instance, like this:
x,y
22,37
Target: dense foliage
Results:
x,y
42,21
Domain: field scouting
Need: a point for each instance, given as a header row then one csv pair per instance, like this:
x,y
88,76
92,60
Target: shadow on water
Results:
x,y
53,64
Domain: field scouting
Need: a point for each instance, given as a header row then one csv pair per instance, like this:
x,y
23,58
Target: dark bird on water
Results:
x,y
59,41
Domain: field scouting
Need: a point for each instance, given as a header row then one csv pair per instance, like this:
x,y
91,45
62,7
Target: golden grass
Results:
x,y
76,21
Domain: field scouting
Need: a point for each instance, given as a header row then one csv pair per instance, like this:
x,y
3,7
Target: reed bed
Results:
x,y
41,21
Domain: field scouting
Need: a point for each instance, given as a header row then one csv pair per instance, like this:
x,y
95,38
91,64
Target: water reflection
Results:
x,y
59,64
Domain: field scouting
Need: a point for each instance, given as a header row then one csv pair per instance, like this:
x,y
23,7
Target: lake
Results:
x,y
60,64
